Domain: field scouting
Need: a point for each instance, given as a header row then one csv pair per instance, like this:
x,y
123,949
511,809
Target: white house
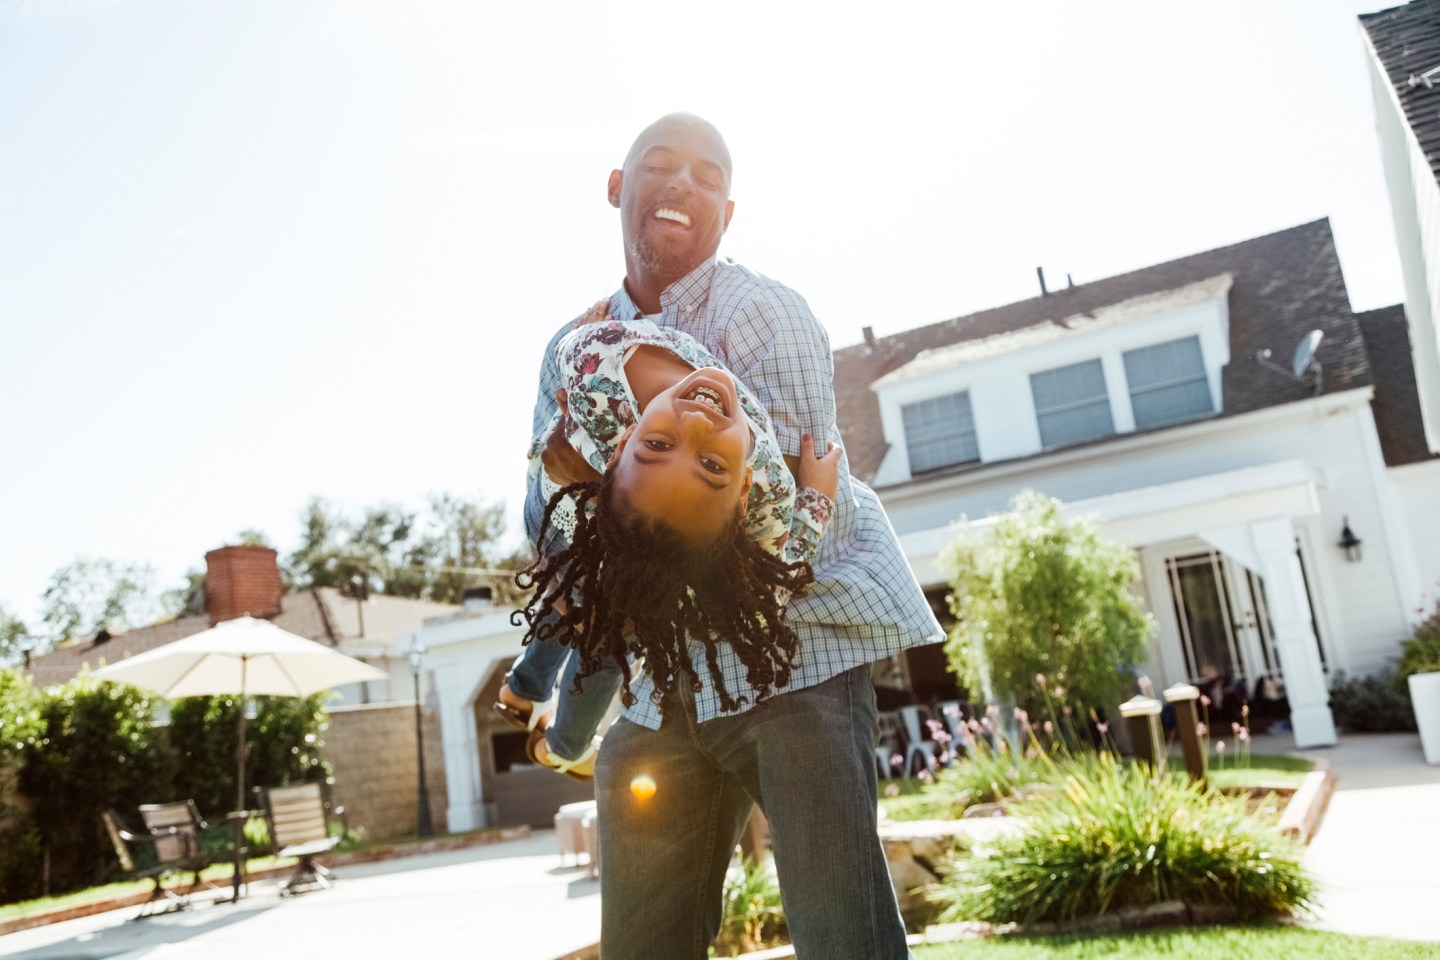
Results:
x,y
1149,399
488,778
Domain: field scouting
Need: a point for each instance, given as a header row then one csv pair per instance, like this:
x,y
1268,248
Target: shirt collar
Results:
x,y
684,297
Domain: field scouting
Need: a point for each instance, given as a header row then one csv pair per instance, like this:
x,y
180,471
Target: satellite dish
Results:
x,y
1305,354
1304,366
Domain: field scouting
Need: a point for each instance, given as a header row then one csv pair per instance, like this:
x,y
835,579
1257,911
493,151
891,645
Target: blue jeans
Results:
x,y
577,715
807,758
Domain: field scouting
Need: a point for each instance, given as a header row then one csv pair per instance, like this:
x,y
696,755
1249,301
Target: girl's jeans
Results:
x,y
577,715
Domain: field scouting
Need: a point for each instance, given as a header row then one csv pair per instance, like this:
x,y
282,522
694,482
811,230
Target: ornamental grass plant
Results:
x,y
751,915
1117,836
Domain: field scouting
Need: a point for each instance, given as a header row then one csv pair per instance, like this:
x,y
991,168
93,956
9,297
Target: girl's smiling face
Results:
x,y
686,462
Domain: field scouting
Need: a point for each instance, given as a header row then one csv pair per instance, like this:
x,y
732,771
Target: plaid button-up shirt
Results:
x,y
865,604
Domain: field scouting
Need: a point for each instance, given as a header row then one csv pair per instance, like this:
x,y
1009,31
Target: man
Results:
x,y
806,755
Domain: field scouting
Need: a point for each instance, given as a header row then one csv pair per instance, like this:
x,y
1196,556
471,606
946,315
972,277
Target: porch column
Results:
x,y
464,810
1293,632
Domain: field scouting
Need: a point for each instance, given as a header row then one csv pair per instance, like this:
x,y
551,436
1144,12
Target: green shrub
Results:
x,y
1114,837
751,918
99,748
284,742
1042,594
1379,703
1421,653
21,722
71,751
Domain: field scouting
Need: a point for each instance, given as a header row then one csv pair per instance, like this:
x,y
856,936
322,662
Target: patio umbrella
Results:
x,y
243,656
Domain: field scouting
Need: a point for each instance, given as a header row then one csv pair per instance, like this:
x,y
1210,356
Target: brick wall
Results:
x,y
371,749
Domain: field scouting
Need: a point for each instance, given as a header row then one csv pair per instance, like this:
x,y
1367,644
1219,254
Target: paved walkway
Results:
x,y
1376,856
1377,853
512,900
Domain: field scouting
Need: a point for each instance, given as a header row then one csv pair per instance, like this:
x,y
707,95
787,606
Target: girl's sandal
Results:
x,y
522,714
582,768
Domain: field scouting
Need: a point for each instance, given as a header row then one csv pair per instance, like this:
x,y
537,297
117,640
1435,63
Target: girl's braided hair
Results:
x,y
628,586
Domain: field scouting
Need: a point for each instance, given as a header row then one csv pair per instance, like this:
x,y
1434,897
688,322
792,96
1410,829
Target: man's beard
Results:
x,y
662,263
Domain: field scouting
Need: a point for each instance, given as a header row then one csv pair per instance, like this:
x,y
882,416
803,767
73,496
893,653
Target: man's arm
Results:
x,y
563,462
782,353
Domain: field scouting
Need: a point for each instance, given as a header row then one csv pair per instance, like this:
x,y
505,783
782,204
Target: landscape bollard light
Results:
x,y
423,826
1142,720
1183,696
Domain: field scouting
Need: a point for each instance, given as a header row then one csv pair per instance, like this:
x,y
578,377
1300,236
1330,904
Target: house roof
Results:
x,y
1407,41
1285,284
323,614
1397,402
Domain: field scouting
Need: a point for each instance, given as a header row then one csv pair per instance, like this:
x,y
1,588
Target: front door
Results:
x,y
1222,619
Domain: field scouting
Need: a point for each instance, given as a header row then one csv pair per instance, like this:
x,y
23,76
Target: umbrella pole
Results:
x,y
239,815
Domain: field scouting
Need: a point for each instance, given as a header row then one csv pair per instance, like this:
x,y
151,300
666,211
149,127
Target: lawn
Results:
x,y
1200,943
219,874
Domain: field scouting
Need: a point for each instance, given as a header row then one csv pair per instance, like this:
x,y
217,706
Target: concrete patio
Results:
x,y
512,899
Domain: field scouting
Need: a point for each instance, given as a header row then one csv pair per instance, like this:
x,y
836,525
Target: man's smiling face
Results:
x,y
674,199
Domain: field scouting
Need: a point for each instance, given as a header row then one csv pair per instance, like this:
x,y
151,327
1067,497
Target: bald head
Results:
x,y
673,195
681,124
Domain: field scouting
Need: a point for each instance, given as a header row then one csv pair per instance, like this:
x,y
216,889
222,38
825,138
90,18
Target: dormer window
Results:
x,y
1146,362
1071,404
1168,383
940,432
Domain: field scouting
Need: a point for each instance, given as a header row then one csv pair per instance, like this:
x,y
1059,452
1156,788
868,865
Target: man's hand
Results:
x,y
562,462
818,473
598,313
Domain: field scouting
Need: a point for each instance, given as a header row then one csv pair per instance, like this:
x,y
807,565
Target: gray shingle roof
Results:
x,y
1285,284
1397,402
324,615
1407,41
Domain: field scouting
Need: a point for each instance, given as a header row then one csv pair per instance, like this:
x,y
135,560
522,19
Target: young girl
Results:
x,y
695,530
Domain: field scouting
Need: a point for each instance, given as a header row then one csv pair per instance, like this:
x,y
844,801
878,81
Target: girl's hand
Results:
x,y
819,473
599,313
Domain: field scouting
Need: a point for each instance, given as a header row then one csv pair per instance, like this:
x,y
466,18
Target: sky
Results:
x,y
258,251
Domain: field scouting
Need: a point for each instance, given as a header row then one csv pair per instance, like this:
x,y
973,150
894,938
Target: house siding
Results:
x,y
1415,207
1358,606
1418,490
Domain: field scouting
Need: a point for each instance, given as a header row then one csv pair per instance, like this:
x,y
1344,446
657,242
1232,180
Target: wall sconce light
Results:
x,y
1349,542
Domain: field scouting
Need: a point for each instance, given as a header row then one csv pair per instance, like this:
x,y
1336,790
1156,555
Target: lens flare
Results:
x,y
643,787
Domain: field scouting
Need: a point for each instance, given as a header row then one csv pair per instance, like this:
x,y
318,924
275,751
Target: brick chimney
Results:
x,y
241,580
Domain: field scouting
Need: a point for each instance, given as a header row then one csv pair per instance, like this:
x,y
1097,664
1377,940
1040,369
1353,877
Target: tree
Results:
x,y
433,555
15,637
85,596
1043,594
462,543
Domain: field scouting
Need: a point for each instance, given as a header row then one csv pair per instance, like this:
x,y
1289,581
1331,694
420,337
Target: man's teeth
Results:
x,y
665,213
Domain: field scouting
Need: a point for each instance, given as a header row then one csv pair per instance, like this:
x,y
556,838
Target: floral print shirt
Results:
x,y
786,523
